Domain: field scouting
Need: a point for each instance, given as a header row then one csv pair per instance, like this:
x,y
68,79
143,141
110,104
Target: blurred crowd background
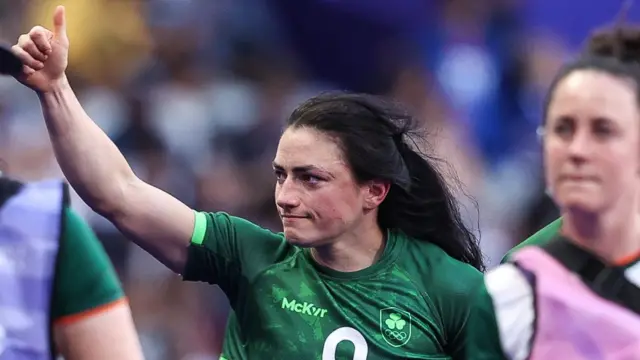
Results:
x,y
195,92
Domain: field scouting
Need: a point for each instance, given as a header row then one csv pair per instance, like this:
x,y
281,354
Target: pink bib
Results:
x,y
572,322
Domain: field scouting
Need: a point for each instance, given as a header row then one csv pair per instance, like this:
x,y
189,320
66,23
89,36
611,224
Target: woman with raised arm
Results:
x,y
373,262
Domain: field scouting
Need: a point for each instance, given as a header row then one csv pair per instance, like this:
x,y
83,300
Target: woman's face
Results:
x,y
316,193
592,141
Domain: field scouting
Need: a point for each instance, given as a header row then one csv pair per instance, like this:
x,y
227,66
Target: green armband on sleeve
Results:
x,y
199,228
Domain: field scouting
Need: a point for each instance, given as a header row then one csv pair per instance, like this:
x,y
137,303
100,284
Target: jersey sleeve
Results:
x,y
230,251
542,237
85,280
502,320
455,303
483,337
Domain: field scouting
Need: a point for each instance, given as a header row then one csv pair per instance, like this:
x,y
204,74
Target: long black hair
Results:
x,y
378,138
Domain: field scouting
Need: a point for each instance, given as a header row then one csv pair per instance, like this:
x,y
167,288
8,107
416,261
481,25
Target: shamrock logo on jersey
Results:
x,y
395,326
395,321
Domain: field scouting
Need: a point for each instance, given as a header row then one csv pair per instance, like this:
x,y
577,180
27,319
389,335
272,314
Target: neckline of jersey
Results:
x,y
628,261
391,250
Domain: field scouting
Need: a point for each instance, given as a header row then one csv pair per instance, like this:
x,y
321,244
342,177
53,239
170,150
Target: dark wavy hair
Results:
x,y
378,138
614,50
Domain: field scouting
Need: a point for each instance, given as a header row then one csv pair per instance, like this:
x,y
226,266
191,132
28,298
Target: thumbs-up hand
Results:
x,y
44,54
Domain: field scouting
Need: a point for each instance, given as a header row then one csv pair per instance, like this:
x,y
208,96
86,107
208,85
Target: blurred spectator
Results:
x,y
475,51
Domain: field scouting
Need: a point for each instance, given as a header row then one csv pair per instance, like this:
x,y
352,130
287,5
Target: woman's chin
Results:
x,y
580,203
295,237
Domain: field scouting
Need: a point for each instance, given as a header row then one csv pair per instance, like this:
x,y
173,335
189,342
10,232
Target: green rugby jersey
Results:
x,y
542,237
412,304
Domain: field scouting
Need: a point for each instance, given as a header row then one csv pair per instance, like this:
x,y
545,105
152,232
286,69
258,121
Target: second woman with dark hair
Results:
x,y
575,294
373,261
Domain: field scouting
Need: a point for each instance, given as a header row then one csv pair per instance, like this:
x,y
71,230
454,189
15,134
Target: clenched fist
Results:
x,y
44,54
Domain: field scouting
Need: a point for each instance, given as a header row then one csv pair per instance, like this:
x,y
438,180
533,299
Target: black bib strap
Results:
x,y
607,281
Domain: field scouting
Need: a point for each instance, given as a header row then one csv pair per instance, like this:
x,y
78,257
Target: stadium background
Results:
x,y
194,92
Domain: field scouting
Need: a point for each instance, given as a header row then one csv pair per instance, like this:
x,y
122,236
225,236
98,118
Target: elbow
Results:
x,y
113,204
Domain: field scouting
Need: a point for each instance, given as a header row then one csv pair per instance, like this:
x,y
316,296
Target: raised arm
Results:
x,y
93,165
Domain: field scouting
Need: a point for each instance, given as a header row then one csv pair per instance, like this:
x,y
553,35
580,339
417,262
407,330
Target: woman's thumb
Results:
x,y
59,22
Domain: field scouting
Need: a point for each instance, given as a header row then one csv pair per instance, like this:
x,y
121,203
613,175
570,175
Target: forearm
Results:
x,y
91,162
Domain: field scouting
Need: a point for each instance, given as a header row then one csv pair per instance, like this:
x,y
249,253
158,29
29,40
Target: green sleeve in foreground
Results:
x,y
483,336
85,278
456,309
542,237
